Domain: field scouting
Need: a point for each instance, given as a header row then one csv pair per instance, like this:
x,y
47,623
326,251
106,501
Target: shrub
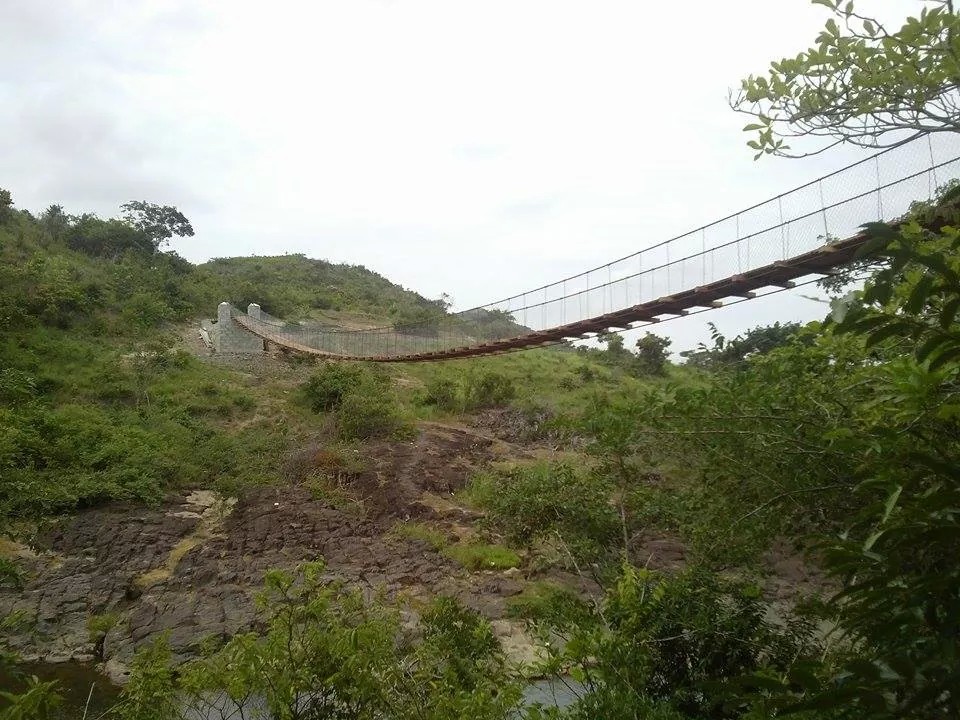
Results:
x,y
473,391
328,487
488,389
677,641
443,393
538,501
99,625
326,388
11,575
350,658
652,356
151,692
364,416
586,373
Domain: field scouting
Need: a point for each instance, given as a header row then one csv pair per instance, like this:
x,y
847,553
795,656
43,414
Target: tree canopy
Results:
x,y
861,82
157,222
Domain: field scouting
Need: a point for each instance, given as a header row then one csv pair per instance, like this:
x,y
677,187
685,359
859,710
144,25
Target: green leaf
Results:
x,y
931,344
804,676
949,312
871,247
919,294
889,331
947,356
763,682
891,503
868,323
868,543
938,262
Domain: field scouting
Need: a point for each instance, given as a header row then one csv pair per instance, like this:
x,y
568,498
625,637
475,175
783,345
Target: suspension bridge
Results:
x,y
789,240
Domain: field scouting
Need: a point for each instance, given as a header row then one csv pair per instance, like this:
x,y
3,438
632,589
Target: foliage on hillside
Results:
x,y
94,405
102,275
294,286
328,653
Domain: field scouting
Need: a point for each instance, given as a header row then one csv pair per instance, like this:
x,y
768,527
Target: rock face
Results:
x,y
191,567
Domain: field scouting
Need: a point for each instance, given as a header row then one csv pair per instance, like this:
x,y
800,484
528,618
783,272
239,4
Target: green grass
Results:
x,y
472,554
325,486
100,625
93,419
423,532
560,380
480,556
538,599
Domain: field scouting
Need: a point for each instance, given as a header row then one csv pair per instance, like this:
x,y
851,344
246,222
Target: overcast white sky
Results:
x,y
474,148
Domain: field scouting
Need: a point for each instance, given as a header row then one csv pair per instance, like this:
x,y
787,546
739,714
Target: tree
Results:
x,y
157,222
896,612
861,83
613,341
652,354
755,341
106,238
6,205
55,221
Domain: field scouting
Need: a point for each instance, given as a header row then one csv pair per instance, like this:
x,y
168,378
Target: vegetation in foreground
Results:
x,y
844,433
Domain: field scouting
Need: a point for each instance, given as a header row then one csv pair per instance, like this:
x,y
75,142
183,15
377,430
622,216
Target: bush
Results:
x,y
99,625
351,658
443,393
364,416
489,389
474,391
326,388
365,404
328,487
672,643
652,356
10,574
538,501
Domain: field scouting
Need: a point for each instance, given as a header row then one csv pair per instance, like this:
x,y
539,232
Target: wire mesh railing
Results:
x,y
880,187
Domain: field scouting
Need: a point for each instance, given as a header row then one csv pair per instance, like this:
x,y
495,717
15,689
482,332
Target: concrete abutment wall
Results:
x,y
230,337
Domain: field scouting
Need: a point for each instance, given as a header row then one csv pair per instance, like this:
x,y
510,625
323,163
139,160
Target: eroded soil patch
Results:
x,y
190,567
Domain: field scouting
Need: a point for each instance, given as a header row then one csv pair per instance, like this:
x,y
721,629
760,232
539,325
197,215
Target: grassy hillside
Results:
x,y
98,402
295,287
95,402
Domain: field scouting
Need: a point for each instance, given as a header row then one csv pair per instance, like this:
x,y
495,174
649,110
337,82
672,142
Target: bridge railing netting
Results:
x,y
833,207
